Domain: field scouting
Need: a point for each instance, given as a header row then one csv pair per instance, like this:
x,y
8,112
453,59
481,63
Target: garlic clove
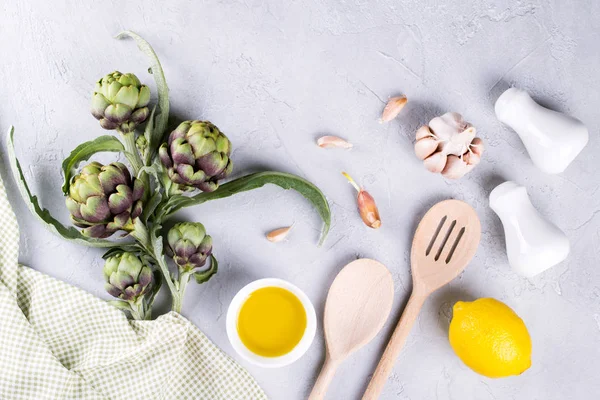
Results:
x,y
425,147
368,210
469,133
477,146
328,142
278,234
424,132
474,159
471,158
435,162
450,125
455,168
393,108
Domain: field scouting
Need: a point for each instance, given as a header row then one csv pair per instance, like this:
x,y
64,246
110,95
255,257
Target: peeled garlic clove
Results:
x,y
435,162
455,168
328,142
424,132
278,234
425,147
393,108
368,210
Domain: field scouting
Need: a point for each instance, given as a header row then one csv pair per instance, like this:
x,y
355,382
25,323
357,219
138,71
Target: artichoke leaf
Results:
x,y
84,151
160,123
204,276
156,197
51,223
155,289
157,247
151,206
253,181
125,248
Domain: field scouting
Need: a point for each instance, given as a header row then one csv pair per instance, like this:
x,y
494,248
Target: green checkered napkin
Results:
x,y
59,342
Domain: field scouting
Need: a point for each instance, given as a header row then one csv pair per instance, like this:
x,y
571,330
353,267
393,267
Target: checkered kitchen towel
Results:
x,y
59,342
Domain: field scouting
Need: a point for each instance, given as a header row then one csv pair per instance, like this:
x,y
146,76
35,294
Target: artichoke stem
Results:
x,y
164,269
133,156
135,311
176,306
132,153
184,278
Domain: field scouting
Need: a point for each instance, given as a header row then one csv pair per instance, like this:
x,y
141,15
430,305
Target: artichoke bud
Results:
x,y
196,156
104,199
120,101
142,145
189,244
127,277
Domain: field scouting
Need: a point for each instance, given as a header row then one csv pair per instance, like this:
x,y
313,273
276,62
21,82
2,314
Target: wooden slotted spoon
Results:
x,y
445,242
358,304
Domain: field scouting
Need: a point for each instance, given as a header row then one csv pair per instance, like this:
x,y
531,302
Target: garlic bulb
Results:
x,y
448,146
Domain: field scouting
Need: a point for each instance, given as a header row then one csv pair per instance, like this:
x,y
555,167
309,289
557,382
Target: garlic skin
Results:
x,y
448,146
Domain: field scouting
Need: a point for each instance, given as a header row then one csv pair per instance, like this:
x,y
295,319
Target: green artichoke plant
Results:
x,y
190,245
127,277
104,199
197,156
120,102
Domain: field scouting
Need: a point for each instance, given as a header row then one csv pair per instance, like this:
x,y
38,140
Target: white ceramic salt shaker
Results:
x,y
552,139
533,244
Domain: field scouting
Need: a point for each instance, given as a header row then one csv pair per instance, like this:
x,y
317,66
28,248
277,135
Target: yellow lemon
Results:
x,y
490,338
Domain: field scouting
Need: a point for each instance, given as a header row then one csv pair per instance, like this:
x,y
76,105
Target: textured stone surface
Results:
x,y
274,76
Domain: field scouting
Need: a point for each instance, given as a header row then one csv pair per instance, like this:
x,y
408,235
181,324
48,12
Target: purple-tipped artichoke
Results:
x,y
127,278
120,102
197,156
104,199
189,244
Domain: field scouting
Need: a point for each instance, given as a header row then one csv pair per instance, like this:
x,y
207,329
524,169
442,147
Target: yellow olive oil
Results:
x,y
271,322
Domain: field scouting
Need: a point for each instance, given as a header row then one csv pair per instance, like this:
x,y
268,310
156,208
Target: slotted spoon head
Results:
x,y
445,242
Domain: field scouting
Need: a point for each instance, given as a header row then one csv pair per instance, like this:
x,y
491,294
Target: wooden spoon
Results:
x,y
445,242
358,304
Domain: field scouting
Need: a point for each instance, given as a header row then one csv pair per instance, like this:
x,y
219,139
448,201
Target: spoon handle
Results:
x,y
324,379
392,351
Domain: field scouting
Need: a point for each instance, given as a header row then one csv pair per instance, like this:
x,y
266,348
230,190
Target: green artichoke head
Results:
x,y
104,199
189,244
120,102
197,156
127,277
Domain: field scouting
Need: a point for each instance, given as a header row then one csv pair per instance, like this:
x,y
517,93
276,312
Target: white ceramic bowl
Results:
x,y
270,362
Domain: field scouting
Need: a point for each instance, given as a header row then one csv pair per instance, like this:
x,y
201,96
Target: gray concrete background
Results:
x,y
274,76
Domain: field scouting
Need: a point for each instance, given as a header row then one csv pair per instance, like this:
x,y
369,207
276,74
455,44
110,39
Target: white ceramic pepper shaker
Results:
x,y
552,139
533,244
